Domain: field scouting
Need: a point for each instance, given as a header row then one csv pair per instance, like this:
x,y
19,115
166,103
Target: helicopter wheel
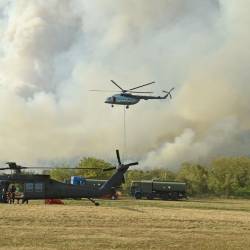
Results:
x,y
112,105
127,106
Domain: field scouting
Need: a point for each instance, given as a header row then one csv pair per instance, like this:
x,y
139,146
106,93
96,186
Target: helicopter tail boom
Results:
x,y
118,177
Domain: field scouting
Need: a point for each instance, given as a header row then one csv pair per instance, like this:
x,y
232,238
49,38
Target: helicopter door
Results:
x,y
3,188
34,190
114,99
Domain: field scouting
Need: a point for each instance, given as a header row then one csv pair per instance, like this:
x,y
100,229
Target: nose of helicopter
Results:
x,y
107,100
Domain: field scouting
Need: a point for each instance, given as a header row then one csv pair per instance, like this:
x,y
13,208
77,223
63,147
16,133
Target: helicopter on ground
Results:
x,y
126,97
40,186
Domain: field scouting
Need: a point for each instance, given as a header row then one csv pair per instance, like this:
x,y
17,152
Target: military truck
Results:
x,y
158,189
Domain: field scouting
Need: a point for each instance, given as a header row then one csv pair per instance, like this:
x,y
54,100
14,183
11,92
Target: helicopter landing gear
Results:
x,y
127,106
93,201
112,105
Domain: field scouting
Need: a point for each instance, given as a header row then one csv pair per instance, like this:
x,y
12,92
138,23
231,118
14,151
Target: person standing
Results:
x,y
12,193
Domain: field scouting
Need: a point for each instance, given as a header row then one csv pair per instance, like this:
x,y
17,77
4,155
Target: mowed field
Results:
x,y
127,224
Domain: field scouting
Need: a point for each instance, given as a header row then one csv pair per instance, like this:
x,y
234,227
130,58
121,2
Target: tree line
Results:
x,y
225,176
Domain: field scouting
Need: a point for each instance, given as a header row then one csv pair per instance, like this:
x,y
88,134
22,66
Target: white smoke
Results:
x,y
225,138
52,53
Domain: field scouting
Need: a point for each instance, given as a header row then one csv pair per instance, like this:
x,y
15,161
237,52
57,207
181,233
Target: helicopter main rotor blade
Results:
x,y
100,90
142,86
118,86
132,164
62,168
118,156
82,168
117,91
108,169
142,92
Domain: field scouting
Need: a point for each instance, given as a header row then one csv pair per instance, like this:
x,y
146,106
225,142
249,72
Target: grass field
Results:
x,y
127,224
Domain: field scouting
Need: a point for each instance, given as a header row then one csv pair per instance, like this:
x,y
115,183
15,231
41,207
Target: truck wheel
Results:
x,y
138,195
150,197
174,196
165,197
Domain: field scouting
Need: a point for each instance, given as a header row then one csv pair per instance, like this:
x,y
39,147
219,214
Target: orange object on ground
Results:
x,y
54,201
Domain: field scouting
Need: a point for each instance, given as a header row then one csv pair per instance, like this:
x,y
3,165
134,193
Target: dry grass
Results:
x,y
127,224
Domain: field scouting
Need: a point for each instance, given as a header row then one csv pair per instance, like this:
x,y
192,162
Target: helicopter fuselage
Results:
x,y
130,99
122,99
43,187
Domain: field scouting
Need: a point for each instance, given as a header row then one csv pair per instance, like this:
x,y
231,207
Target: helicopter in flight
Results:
x,y
129,97
40,186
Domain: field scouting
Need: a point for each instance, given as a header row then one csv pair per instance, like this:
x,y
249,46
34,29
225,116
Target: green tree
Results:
x,y
60,174
195,176
230,176
98,165
97,171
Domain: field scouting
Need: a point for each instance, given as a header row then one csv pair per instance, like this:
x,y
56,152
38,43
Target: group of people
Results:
x,y
10,195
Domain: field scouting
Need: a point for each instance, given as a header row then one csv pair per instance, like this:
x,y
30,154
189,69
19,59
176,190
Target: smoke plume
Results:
x,y
53,52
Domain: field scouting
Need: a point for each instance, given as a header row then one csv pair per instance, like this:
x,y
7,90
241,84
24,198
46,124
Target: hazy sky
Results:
x,y
52,52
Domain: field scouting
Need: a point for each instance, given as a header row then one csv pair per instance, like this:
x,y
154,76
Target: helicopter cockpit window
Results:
x,y
29,187
38,187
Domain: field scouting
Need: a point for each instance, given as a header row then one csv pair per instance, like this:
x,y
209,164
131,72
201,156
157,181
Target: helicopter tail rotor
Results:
x,y
120,164
118,156
121,167
168,93
118,177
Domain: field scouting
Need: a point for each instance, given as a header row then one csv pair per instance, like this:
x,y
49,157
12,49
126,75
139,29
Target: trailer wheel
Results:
x,y
138,195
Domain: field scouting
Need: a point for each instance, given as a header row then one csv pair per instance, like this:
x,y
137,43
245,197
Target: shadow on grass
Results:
x,y
132,209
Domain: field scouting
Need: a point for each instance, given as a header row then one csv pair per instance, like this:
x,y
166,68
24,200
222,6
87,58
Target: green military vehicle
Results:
x,y
158,189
